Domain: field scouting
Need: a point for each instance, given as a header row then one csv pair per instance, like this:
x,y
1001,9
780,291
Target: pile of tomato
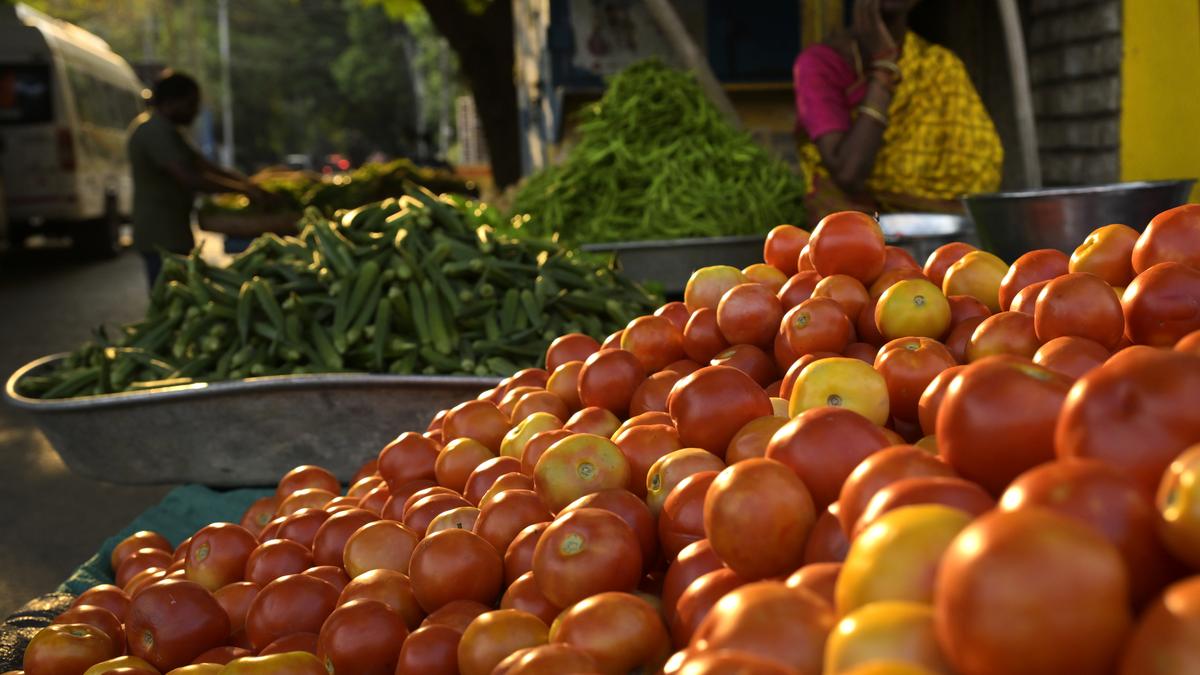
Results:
x,y
836,461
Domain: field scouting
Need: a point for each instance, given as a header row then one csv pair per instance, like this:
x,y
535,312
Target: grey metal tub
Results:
x,y
672,261
241,432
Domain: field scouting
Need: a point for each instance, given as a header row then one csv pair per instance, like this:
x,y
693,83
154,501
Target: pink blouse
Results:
x,y
827,89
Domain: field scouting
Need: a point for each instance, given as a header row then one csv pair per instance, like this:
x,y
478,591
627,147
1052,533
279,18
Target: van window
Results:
x,y
25,94
101,103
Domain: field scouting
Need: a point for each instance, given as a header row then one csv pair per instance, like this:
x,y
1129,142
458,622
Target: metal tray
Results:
x,y
671,262
238,433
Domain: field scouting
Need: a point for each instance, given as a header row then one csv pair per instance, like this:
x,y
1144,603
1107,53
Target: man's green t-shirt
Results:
x,y
162,207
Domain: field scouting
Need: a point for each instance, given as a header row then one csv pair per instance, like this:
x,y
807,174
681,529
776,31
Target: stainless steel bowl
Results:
x,y
1012,223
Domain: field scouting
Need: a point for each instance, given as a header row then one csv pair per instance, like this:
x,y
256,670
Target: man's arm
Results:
x,y
195,177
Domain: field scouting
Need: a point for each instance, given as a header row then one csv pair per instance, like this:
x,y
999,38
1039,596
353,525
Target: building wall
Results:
x,y
1075,50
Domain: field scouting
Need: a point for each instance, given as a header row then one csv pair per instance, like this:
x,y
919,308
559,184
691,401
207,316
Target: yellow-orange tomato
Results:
x,y
291,663
977,274
670,470
841,382
900,631
766,275
514,441
579,465
1107,252
912,308
491,637
751,440
846,291
708,284
1179,506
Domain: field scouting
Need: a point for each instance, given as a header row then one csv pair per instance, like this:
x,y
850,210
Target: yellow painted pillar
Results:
x,y
1160,91
818,19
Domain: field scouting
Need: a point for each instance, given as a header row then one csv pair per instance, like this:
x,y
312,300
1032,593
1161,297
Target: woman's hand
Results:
x,y
871,30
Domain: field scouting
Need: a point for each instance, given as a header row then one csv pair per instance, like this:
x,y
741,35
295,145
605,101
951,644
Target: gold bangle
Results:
x,y
885,64
873,114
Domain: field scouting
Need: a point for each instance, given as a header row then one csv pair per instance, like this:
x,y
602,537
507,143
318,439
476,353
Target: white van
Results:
x,y
66,101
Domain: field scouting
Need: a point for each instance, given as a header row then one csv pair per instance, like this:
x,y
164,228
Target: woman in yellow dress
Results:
x,y
887,121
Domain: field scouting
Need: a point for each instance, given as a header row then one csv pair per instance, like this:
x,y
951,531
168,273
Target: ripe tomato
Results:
x,y
307,476
291,663
584,552
1012,333
455,565
134,542
900,632
620,631
997,419
908,365
218,553
879,471
654,341
1179,507
457,460
841,382
494,635
757,516
848,242
892,277
107,596
707,284
538,445
977,274
523,594
412,457
296,603
963,307
817,578
578,465
539,402
751,440
67,648
767,619
1071,356
697,601
382,544
121,665
1171,236
1160,304
749,314
959,337
518,558
651,394
672,468
97,617
505,516
332,574
694,561
912,308
676,311
458,614
362,636
173,621
1043,264
375,500
275,558
1164,640
1041,634
1025,301
1133,412
629,508
781,248
509,481
681,520
712,404
430,650
570,347
642,446
702,337
798,288
826,542
1100,496
330,540
296,642
143,579
750,360
509,402
941,259
609,378
1081,305
564,383
139,560
418,516
236,599
593,420
390,587
1189,344
823,446
817,325
949,491
548,659
221,655
360,488
793,372
767,276
259,513
847,291
486,474
1108,253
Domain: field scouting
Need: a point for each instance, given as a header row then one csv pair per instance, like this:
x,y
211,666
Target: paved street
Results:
x,y
50,519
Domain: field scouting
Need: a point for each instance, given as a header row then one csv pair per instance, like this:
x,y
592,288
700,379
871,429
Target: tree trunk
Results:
x,y
484,44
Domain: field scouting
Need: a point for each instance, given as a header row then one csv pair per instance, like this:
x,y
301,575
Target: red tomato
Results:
x,y
330,540
296,642
655,341
1043,264
1135,412
1160,305
959,337
676,311
620,631
793,372
97,617
383,544
848,242
997,419
412,457
613,341
681,520
694,561
548,659
431,650
390,587
712,404
300,527
221,655
819,578
798,288
817,325
782,247
642,446
1171,236
1108,253
629,508
457,614
1081,305
537,446
697,601
218,553
418,516
1011,333
1189,344
609,378
332,574
523,594
307,476
827,542
702,337
360,488
297,603
518,559
486,474
373,501
275,558
107,596
963,307
749,314
782,351
593,420
564,383
847,291
539,401
945,490
908,365
897,258
362,636
173,621
767,619
584,552
750,360
505,515
236,599
480,420
1071,356
1098,495
455,565
651,394
1164,640
134,542
941,259
457,460
757,515
570,347
494,635
683,367
140,560
880,470
68,648
1039,633
823,446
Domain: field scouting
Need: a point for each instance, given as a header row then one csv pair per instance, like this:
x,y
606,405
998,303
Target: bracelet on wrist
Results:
x,y
877,115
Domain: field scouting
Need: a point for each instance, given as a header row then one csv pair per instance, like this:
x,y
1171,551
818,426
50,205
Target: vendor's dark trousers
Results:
x,y
153,262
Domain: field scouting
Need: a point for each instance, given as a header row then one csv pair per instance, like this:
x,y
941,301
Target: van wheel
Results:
x,y
101,238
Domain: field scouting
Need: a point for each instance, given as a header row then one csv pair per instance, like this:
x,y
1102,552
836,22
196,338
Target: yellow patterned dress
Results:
x,y
939,144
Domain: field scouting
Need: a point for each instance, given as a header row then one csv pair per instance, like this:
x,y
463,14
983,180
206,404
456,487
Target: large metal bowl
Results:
x,y
1012,223
238,433
671,262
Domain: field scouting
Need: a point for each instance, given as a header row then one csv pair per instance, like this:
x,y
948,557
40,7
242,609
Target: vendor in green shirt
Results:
x,y
168,171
